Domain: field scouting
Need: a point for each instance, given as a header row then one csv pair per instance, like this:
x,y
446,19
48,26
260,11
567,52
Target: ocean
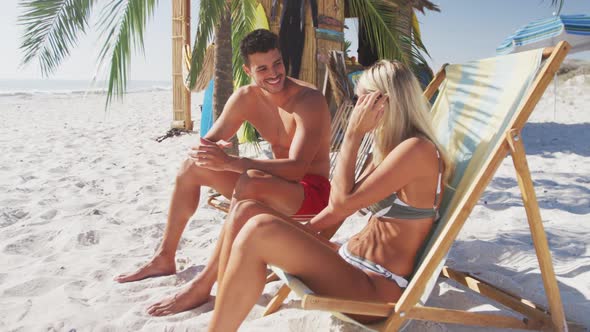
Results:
x,y
14,87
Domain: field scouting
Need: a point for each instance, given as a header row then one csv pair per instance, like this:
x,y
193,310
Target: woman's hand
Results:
x,y
369,109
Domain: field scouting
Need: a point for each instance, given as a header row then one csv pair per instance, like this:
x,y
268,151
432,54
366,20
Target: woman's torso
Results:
x,y
394,240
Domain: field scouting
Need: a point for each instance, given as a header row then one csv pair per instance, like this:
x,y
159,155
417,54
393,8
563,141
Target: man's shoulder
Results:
x,y
246,92
309,99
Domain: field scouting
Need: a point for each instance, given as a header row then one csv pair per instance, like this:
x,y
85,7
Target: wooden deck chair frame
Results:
x,y
535,317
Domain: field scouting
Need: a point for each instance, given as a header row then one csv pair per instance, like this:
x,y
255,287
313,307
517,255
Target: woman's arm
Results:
x,y
364,118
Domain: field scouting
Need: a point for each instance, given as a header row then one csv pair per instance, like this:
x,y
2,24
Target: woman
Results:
x,y
402,187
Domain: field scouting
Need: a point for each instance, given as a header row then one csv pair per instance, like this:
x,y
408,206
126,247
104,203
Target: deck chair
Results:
x,y
481,108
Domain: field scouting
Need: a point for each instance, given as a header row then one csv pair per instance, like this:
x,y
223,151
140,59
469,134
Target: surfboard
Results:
x,y
207,109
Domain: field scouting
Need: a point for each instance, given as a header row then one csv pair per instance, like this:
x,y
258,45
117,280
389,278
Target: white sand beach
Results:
x,y
84,196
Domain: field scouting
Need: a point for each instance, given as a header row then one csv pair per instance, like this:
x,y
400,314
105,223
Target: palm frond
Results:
x,y
122,23
558,4
209,16
243,22
52,28
386,30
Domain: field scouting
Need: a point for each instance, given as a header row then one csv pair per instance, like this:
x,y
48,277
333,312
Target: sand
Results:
x,y
84,196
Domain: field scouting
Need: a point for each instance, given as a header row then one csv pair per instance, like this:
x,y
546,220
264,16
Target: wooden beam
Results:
x,y
371,308
540,85
468,318
277,300
436,82
520,305
186,94
541,245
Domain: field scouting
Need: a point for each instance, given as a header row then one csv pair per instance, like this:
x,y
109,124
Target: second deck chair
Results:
x,y
481,108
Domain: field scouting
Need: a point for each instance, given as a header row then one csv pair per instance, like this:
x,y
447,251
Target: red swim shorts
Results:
x,y
316,191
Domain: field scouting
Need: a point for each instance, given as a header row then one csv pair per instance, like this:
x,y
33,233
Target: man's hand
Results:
x,y
210,155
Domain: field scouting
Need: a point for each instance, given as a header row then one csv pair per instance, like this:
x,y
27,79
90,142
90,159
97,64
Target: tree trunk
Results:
x,y
224,82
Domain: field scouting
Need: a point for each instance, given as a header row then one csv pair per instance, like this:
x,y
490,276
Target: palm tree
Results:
x,y
53,28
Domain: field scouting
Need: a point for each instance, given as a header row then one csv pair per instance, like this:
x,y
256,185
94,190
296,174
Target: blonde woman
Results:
x,y
402,187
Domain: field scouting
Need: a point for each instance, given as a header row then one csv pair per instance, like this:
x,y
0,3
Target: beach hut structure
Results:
x,y
323,29
317,43
181,38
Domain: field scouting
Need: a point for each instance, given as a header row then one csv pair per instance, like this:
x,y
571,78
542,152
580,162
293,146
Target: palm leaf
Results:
x,y
209,16
243,22
386,30
123,24
51,29
558,4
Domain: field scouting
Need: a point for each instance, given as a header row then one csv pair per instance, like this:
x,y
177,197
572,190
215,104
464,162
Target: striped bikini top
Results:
x,y
393,207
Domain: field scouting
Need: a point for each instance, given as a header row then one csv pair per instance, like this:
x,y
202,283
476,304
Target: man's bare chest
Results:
x,y
276,127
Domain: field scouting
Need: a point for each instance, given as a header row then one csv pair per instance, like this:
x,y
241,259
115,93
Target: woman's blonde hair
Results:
x,y
407,114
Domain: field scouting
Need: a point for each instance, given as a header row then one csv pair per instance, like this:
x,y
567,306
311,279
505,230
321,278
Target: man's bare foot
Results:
x,y
188,298
159,266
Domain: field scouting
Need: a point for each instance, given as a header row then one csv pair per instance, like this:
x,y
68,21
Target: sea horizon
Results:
x,y
16,87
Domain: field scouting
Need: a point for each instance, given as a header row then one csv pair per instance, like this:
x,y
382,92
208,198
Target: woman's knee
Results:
x,y
258,228
249,183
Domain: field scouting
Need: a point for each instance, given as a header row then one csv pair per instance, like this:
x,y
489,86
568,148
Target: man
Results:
x,y
294,118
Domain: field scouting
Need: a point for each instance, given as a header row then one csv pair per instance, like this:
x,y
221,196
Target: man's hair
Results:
x,y
258,41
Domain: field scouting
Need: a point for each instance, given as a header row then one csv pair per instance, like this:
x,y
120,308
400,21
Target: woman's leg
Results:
x,y
267,239
241,212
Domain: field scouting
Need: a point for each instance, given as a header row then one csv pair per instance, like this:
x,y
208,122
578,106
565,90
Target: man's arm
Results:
x,y
311,116
231,118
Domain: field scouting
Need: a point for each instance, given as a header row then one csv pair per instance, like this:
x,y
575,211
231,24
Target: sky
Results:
x,y
464,30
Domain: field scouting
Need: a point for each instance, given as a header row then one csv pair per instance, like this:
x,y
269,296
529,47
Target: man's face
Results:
x,y
267,70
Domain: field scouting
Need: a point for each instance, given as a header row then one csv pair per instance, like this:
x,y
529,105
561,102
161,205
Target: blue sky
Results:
x,y
462,31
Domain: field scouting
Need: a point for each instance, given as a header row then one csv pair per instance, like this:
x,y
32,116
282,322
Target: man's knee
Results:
x,y
241,212
249,185
190,172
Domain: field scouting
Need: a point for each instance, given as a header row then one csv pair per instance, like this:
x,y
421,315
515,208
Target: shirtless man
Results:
x,y
294,118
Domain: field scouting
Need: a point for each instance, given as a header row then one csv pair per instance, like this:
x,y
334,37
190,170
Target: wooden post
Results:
x,y
188,122
181,104
531,206
276,302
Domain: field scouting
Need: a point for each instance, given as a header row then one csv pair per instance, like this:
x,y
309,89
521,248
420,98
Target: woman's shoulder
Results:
x,y
418,145
418,152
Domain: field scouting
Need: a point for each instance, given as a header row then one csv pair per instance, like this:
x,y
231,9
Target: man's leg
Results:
x,y
284,196
183,205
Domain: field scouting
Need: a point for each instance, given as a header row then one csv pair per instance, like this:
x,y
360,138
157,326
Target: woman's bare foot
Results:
x,y
160,265
188,298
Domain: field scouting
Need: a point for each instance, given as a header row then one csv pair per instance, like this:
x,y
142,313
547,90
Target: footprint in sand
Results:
x,y
11,216
34,287
23,246
89,238
49,214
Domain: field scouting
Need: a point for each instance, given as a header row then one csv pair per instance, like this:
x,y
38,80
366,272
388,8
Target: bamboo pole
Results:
x,y
181,97
186,94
